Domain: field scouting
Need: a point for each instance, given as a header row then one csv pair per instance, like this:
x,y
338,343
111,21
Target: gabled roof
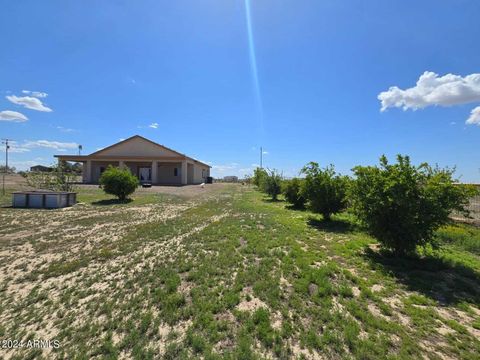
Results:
x,y
137,137
162,147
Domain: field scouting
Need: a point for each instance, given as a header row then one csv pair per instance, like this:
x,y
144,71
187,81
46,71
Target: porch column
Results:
x,y
184,172
121,164
154,172
87,172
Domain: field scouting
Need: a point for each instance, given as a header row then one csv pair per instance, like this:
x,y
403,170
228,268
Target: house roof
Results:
x,y
98,153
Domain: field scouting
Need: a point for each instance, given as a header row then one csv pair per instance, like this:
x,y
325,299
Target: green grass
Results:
x,y
230,275
461,237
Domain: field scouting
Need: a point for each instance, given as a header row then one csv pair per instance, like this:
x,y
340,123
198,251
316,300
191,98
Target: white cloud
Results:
x,y
25,165
153,125
37,94
29,102
474,117
8,115
15,149
233,169
27,145
56,145
64,129
224,168
433,90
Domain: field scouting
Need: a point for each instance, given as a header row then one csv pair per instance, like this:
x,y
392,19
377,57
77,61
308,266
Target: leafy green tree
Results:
x,y
294,192
258,178
272,184
402,205
325,190
119,182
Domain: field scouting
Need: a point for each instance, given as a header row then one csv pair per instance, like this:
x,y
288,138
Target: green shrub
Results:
x,y
294,193
272,184
402,205
119,182
258,178
325,190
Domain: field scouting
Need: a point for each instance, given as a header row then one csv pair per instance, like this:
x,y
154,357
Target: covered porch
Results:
x,y
159,172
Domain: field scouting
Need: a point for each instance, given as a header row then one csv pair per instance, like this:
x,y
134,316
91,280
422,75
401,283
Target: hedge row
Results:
x,y
400,204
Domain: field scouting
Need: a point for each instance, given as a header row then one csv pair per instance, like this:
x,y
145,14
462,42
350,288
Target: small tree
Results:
x,y
294,192
10,170
258,178
325,190
272,184
119,182
58,179
402,205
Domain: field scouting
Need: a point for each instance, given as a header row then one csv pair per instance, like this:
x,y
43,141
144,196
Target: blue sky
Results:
x,y
91,73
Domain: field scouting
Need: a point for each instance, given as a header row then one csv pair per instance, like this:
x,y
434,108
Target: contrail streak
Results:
x,y
253,64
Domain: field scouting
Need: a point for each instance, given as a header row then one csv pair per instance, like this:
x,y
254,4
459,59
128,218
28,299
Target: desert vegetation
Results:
x,y
228,273
60,178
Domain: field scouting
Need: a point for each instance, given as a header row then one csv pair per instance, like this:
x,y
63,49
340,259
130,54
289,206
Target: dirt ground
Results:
x,y
186,191
17,182
13,181
222,272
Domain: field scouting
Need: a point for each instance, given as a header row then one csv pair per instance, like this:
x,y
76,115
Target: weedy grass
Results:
x,y
461,237
229,275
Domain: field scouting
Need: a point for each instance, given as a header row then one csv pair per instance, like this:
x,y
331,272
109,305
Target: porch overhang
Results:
x,y
85,158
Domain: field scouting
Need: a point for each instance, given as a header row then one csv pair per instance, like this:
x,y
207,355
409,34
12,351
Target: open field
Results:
x,y
222,272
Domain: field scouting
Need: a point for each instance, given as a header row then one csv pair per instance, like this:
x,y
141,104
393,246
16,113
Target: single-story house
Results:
x,y
40,168
150,162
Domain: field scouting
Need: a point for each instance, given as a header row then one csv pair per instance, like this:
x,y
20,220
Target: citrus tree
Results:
x,y
324,189
402,205
119,182
294,192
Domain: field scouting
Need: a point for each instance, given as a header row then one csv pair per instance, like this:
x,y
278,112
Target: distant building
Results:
x,y
230,178
40,168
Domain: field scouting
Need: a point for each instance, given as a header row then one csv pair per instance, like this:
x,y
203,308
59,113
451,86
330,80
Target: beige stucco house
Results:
x,y
151,162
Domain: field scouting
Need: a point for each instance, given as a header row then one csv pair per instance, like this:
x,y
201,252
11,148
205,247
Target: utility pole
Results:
x,y
261,157
5,141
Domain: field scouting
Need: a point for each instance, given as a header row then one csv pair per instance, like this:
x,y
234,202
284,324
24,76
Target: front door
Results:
x,y
145,174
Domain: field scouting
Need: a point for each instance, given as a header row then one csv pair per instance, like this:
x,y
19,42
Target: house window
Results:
x,y
175,171
203,173
102,169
